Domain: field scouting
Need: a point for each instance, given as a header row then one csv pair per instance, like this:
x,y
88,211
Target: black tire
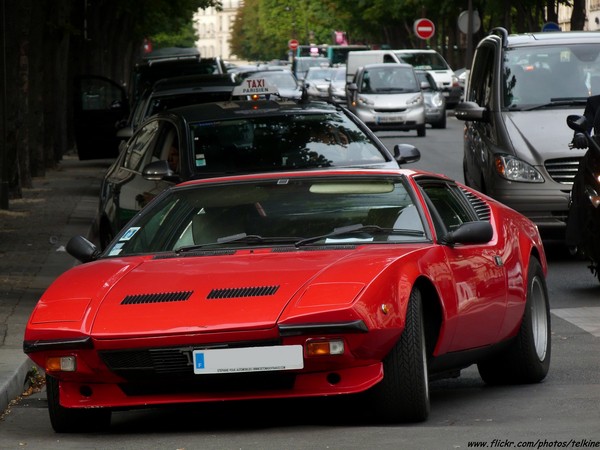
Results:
x,y
421,131
403,394
73,420
527,360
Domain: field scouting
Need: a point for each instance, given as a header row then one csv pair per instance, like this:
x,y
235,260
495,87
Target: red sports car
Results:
x,y
295,284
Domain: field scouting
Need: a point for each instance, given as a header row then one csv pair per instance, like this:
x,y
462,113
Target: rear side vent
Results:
x,y
165,297
258,291
481,208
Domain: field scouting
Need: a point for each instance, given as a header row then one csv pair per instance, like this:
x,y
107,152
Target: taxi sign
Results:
x,y
255,86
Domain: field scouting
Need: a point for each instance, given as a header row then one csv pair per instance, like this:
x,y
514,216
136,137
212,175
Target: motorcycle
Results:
x,y
583,224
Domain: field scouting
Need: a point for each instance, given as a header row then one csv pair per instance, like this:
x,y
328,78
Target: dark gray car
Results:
x,y
521,88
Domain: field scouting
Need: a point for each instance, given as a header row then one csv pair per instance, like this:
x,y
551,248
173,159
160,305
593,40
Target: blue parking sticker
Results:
x,y
129,233
199,361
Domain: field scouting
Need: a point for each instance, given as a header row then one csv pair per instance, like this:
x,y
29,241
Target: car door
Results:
x,y
478,275
99,104
480,136
151,142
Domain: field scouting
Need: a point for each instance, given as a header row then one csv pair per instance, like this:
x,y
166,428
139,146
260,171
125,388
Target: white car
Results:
x,y
317,82
388,97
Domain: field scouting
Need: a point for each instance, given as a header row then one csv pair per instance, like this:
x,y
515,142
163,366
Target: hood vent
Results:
x,y
258,291
165,297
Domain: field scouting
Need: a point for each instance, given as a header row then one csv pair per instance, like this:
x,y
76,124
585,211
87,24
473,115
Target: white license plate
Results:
x,y
248,359
390,119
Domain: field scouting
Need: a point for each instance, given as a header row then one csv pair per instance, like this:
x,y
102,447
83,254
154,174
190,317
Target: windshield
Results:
x,y
279,212
389,80
541,75
318,74
425,61
285,141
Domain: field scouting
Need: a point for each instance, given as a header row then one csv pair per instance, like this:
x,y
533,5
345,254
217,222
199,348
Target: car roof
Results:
x,y
387,65
542,38
244,108
414,50
192,81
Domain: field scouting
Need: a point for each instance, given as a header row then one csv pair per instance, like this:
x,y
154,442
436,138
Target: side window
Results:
x,y
140,144
448,205
481,82
167,147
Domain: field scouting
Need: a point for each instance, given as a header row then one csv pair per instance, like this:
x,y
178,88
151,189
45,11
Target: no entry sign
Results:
x,y
424,28
292,44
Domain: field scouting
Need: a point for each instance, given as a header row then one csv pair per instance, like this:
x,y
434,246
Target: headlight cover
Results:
x,y
514,169
365,101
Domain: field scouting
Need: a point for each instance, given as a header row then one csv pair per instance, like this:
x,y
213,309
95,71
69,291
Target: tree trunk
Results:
x,y
578,15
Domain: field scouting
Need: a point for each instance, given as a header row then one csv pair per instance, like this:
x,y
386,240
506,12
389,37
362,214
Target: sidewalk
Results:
x,y
33,234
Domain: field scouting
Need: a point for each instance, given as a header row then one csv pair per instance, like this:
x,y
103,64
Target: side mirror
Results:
x,y
82,249
577,123
470,111
478,232
159,170
406,153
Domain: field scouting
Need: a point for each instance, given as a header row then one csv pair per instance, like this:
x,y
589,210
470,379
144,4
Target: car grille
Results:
x,y
153,363
563,170
170,371
383,110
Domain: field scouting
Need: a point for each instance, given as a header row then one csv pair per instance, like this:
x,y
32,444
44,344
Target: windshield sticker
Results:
x,y
116,250
129,233
200,160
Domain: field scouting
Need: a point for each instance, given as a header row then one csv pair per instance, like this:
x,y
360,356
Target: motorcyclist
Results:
x,y
576,218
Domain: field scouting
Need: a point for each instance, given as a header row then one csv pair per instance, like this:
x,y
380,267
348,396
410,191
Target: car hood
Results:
x,y
541,134
230,292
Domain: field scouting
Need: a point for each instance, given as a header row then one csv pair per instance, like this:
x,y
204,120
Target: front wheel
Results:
x,y
73,420
403,394
527,360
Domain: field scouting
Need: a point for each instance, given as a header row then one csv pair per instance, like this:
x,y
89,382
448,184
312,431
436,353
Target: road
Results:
x,y
561,412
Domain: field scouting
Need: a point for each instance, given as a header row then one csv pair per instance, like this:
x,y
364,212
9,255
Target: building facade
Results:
x,y
592,16
214,30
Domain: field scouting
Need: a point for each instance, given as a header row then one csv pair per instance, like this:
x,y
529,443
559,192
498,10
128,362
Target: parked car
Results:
x,y
337,87
316,82
178,91
388,97
100,105
435,102
295,284
516,144
216,139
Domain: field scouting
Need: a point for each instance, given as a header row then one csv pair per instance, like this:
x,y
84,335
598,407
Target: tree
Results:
x,y
47,43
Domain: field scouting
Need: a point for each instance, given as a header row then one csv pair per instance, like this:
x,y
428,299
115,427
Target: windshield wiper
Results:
x,y
359,229
239,238
559,102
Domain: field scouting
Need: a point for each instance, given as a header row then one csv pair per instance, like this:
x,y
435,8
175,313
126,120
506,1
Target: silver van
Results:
x,y
521,88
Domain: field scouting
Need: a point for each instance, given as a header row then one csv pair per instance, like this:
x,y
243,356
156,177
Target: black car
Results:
x,y
232,137
101,104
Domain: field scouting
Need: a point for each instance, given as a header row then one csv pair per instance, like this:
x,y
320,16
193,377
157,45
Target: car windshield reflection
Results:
x,y
295,212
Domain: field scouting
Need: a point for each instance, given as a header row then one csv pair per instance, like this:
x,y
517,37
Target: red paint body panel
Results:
x,y
479,289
